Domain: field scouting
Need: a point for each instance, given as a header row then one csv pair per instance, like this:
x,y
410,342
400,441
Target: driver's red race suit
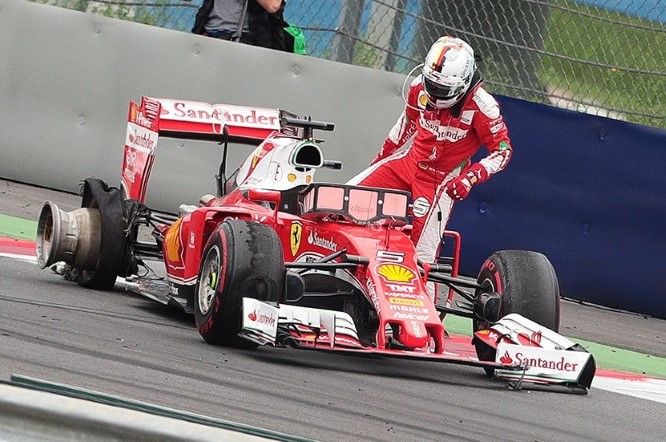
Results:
x,y
436,166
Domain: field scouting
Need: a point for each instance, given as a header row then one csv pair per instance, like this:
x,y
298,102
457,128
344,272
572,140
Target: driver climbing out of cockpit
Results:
x,y
452,116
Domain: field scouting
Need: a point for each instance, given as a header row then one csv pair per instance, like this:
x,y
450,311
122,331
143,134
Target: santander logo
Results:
x,y
325,243
261,318
506,359
219,113
538,362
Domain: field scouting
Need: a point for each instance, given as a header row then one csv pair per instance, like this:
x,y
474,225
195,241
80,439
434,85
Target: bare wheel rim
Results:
x,y
209,280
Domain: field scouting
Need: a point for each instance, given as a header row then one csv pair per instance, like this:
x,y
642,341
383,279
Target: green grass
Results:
x,y
17,228
618,50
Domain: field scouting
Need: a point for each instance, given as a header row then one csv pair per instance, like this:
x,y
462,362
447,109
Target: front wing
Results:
x,y
328,330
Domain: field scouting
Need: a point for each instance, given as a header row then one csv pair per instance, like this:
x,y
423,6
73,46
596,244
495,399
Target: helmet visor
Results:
x,y
441,92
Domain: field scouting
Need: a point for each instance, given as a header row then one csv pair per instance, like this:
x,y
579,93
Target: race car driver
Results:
x,y
452,116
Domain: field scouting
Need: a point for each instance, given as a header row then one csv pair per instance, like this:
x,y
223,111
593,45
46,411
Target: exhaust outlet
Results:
x,y
73,237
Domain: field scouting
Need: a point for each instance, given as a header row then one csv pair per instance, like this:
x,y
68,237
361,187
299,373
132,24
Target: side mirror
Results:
x,y
332,164
266,196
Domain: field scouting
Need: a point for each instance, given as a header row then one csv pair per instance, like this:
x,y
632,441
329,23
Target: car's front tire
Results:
x,y
241,259
527,284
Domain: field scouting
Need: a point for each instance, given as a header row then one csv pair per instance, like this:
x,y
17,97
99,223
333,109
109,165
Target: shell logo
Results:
x,y
395,273
423,99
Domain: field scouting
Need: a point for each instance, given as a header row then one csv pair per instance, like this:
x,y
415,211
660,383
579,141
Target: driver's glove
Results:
x,y
459,187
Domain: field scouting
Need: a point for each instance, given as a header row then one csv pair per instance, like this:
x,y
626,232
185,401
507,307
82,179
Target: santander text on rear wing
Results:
x,y
193,120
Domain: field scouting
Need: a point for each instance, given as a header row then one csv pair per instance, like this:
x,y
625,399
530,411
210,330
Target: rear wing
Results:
x,y
193,120
197,120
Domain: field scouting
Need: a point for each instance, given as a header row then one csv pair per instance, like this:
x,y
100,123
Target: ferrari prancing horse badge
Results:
x,y
295,237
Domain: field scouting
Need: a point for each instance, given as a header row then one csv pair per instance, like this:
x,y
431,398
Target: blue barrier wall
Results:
x,y
590,193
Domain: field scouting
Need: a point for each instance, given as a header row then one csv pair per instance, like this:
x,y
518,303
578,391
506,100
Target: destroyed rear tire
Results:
x,y
97,195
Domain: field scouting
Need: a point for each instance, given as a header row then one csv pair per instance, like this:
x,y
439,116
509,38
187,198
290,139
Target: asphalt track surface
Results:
x,y
122,344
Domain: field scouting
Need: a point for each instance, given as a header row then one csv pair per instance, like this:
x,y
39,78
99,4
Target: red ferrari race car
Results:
x,y
275,258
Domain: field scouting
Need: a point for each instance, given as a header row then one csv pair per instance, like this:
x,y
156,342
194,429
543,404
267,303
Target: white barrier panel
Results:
x,y
66,79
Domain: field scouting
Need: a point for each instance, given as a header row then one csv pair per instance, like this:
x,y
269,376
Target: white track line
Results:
x,y
647,388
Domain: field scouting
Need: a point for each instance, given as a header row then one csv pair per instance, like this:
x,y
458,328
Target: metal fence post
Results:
x,y
347,32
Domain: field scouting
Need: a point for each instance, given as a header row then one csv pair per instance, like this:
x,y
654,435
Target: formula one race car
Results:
x,y
275,258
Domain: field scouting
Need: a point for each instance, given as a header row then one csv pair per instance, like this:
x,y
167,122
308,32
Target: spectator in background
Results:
x,y
450,115
261,21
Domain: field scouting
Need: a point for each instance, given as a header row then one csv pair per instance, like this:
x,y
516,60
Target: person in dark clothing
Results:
x,y
261,22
